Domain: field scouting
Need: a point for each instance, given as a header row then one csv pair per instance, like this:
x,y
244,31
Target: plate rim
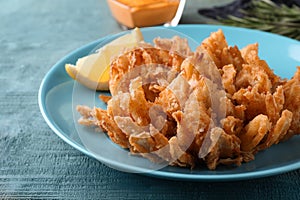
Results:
x,y
159,174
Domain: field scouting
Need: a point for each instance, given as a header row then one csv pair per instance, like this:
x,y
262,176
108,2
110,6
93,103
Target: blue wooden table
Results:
x,y
34,162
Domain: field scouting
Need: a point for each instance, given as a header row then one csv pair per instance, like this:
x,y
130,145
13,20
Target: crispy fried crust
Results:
x,y
216,106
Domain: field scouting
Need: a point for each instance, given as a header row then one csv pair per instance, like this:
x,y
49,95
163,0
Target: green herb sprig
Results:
x,y
268,16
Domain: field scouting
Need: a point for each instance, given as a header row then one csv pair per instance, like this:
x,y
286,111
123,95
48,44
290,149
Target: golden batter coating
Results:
x,y
216,106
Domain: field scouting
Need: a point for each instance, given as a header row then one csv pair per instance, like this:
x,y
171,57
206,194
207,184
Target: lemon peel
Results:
x,y
92,71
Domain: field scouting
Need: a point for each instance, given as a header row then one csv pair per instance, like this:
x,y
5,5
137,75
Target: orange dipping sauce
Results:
x,y
141,13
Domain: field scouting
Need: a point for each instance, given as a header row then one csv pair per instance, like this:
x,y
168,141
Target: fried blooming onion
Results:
x,y
217,105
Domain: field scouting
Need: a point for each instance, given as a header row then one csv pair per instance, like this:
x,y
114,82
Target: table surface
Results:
x,y
34,162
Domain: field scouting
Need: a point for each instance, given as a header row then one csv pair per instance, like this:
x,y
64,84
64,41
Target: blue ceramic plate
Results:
x,y
59,95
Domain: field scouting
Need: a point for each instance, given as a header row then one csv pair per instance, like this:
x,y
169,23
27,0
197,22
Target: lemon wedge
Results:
x,y
92,71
